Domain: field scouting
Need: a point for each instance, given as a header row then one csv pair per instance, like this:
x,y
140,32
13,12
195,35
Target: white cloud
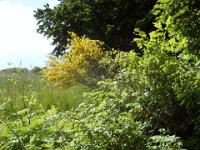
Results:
x,y
52,2
18,37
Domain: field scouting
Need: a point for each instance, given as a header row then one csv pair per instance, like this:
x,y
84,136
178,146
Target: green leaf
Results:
x,y
3,105
158,25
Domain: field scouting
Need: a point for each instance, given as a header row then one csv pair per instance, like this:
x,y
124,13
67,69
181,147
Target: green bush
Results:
x,y
36,69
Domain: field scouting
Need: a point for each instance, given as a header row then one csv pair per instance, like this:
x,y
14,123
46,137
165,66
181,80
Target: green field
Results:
x,y
19,86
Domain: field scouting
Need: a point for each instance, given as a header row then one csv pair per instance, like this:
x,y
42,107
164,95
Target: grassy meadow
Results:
x,y
19,86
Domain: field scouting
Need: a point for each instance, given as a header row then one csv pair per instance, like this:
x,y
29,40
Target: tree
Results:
x,y
110,21
183,18
36,69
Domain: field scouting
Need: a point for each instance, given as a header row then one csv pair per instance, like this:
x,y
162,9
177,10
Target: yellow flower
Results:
x,y
74,65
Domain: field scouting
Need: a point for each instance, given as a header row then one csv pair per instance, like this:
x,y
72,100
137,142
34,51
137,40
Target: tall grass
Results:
x,y
61,99
19,86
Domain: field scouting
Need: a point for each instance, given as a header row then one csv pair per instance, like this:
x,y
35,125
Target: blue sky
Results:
x,y
20,45
32,3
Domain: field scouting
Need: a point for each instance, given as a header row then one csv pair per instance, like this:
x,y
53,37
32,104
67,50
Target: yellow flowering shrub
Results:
x,y
79,64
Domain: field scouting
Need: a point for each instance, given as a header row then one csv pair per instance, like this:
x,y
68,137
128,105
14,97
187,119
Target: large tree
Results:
x,y
111,21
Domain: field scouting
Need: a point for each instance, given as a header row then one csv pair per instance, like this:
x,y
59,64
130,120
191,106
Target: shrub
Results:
x,y
80,64
36,69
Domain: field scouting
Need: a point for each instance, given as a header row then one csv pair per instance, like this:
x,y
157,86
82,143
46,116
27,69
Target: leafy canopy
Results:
x,y
110,21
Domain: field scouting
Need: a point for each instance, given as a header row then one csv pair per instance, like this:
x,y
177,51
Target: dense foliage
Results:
x,y
110,21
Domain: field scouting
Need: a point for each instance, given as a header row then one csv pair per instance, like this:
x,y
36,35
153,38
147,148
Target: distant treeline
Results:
x,y
36,69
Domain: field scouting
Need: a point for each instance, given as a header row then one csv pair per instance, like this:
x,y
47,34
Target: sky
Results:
x,y
20,44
